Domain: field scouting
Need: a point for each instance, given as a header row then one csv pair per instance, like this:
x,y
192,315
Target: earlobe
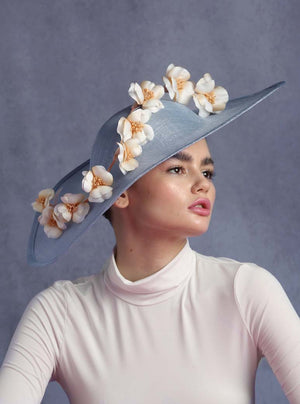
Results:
x,y
122,201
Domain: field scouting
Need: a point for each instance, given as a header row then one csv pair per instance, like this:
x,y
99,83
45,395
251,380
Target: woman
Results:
x,y
160,323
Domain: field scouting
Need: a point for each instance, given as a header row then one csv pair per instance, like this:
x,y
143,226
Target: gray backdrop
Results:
x,y
66,67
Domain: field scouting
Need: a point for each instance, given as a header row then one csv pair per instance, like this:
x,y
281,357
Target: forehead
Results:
x,y
196,151
198,147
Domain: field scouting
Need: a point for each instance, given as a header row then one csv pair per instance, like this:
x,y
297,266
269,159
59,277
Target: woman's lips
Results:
x,y
201,206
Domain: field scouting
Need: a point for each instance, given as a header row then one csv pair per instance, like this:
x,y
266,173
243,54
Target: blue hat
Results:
x,y
175,127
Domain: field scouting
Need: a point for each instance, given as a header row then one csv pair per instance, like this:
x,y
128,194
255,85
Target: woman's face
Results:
x,y
177,196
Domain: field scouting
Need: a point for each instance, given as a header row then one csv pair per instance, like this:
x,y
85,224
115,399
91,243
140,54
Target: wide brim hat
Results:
x,y
175,127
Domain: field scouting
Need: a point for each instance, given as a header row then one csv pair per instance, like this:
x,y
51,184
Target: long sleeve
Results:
x,y
272,323
34,350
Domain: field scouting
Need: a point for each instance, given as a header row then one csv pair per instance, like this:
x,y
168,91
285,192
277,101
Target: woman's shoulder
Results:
x,y
248,267
243,274
63,290
250,281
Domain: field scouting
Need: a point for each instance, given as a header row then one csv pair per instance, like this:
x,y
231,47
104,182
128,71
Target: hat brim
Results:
x,y
175,127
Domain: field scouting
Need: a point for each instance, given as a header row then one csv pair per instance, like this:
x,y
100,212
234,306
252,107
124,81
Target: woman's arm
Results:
x,y
273,324
33,353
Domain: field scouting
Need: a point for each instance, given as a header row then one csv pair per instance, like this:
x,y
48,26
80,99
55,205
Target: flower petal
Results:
x,y
52,231
47,193
149,132
37,206
43,200
169,68
153,105
147,84
169,87
158,91
99,194
127,131
72,198
201,103
219,108
205,85
129,165
62,213
201,100
136,93
186,93
174,86
87,181
120,127
177,72
46,215
81,212
139,115
141,137
121,152
134,147
221,95
96,200
102,173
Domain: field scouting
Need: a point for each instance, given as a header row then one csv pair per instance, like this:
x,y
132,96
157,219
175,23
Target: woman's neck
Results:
x,y
140,256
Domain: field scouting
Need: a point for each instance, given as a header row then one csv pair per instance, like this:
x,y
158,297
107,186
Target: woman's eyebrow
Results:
x,y
206,161
183,156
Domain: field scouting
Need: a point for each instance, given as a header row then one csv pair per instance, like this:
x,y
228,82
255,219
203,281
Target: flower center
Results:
x,y
210,97
98,182
52,222
71,207
148,94
136,126
127,153
180,83
41,200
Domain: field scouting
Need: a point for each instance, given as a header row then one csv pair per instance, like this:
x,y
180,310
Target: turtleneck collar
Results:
x,y
156,287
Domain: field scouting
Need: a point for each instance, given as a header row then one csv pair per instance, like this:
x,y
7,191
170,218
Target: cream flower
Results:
x,y
178,86
208,98
43,200
127,151
97,182
147,94
135,127
73,208
53,227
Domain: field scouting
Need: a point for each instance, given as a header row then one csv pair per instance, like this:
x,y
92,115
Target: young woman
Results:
x,y
160,323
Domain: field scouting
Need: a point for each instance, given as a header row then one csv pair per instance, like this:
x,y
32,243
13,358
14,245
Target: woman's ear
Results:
x,y
123,201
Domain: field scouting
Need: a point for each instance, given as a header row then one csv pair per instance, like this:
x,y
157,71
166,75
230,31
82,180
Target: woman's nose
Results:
x,y
201,184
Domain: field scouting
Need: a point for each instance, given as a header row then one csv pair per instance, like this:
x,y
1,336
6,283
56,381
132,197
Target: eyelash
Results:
x,y
211,173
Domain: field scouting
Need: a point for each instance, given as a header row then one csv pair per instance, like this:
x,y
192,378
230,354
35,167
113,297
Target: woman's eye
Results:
x,y
176,170
209,174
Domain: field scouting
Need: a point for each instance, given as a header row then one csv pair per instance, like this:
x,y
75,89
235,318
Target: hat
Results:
x,y
140,137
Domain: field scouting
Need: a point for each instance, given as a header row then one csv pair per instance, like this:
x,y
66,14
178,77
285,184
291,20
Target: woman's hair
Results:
x,y
108,215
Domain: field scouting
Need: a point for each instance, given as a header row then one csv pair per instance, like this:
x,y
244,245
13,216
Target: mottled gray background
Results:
x,y
66,67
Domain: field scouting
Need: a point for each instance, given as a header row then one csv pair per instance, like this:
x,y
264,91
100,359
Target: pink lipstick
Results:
x,y
201,206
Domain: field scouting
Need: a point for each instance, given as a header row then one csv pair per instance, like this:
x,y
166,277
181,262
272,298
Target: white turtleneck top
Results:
x,y
191,333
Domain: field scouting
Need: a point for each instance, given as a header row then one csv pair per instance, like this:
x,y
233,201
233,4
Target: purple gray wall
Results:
x,y
66,67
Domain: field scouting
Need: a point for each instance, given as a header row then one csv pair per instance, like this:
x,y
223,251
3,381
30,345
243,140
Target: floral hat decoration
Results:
x,y
128,145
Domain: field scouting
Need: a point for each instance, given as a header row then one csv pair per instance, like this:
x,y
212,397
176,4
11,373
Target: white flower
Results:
x,y
178,86
127,151
135,127
73,208
98,183
43,199
147,94
53,227
208,98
